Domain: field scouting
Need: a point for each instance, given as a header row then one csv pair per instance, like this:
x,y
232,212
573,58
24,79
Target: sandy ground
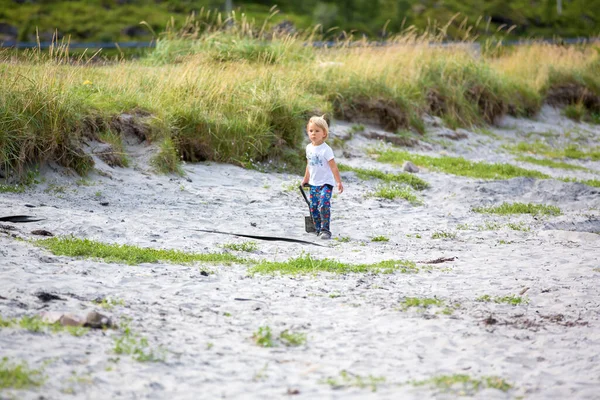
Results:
x,y
548,348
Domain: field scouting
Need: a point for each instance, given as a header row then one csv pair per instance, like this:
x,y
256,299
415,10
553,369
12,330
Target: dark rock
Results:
x,y
47,297
410,167
104,203
42,232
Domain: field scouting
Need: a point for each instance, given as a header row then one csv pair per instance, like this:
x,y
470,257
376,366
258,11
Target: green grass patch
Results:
x,y
520,208
550,163
137,347
589,182
518,226
347,379
292,339
420,303
19,375
263,337
409,179
248,246
394,191
461,384
443,235
12,188
459,166
127,254
307,265
380,239
542,149
35,324
512,300
109,304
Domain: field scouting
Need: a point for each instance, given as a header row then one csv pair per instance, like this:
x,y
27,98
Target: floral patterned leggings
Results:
x,y
320,206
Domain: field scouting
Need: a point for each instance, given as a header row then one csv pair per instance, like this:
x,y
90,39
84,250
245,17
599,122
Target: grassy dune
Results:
x,y
228,94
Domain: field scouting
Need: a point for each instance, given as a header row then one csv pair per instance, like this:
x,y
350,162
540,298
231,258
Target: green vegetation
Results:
x,y
12,188
520,208
394,191
136,346
409,179
263,337
19,375
348,379
458,165
109,304
110,20
292,339
420,303
589,182
380,239
461,384
550,163
343,239
443,235
512,300
267,86
35,324
248,246
132,255
518,226
307,265
543,149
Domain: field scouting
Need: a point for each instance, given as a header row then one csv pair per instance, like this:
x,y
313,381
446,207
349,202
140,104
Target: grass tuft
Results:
x,y
520,208
464,384
19,375
263,337
247,247
292,339
443,235
420,303
380,239
137,347
348,379
132,255
35,324
307,265
394,191
512,300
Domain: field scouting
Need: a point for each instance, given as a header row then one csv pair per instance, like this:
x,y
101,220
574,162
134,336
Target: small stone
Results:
x,y
97,321
71,320
410,167
104,203
42,232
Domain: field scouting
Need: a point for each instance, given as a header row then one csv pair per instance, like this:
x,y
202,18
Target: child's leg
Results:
x,y
325,206
314,206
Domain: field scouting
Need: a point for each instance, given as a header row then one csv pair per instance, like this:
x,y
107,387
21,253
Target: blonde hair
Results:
x,y
320,122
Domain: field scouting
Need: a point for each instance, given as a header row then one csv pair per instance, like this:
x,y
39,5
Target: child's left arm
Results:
x,y
336,175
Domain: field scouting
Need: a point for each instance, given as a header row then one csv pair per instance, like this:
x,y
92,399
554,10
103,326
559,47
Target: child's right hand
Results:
x,y
304,182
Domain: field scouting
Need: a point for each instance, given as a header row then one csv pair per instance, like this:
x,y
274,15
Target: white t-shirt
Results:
x,y
318,158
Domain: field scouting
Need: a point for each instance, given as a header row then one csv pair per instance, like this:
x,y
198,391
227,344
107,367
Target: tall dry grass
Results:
x,y
225,90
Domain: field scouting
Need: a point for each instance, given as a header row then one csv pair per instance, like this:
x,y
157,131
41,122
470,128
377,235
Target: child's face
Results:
x,y
316,134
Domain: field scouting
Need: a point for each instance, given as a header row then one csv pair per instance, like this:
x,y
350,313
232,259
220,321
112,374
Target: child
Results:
x,y
321,170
